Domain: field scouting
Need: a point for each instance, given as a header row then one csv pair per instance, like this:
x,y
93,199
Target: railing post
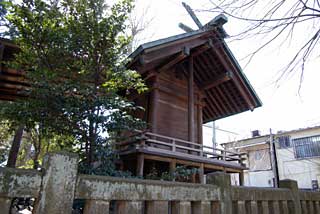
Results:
x,y
156,207
58,183
293,186
173,145
96,207
181,207
5,204
223,181
132,207
201,207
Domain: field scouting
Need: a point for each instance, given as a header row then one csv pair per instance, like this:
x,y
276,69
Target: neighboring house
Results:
x,y
296,156
260,170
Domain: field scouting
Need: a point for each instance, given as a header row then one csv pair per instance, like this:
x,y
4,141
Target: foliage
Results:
x,y
3,11
5,136
181,173
74,54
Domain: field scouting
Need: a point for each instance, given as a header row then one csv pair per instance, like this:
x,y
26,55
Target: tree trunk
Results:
x,y
14,150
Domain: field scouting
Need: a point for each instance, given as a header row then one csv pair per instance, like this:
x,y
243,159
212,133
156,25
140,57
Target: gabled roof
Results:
x,y
217,72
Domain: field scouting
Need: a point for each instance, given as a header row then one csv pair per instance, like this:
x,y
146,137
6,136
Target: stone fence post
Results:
x,y
223,181
58,183
295,207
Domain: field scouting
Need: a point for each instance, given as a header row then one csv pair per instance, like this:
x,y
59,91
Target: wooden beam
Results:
x,y
237,80
217,81
12,86
16,79
201,49
175,60
13,71
218,108
188,163
153,54
212,166
222,96
193,16
157,158
190,101
234,104
185,28
7,97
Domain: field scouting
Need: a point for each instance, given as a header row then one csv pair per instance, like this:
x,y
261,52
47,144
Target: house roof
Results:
x,y
217,72
278,134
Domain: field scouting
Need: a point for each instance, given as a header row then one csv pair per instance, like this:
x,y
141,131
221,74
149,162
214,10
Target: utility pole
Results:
x,y
214,138
274,165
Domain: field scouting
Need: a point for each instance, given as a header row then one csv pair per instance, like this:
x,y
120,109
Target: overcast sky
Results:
x,y
283,108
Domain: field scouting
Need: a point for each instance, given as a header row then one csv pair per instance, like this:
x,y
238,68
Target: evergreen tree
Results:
x,y
73,53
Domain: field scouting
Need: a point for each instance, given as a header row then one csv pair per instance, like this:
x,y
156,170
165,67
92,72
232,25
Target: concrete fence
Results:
x,y
59,184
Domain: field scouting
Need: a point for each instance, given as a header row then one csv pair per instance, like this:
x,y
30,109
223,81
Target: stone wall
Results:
x,y
58,184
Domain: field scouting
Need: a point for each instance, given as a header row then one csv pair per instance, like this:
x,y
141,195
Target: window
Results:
x,y
259,160
315,184
284,141
307,147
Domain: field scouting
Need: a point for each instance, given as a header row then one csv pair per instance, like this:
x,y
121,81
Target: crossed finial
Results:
x,y
218,21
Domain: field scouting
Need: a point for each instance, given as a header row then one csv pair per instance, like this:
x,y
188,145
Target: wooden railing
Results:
x,y
55,189
166,143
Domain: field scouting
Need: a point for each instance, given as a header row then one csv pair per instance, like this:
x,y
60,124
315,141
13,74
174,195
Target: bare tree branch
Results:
x,y
276,21
139,21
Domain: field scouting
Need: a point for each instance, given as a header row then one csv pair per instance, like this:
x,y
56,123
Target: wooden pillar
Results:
x,y
199,116
190,101
201,174
194,178
140,165
173,164
154,105
241,178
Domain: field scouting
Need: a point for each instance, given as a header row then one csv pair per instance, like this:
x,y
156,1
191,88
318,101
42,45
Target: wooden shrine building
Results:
x,y
193,78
